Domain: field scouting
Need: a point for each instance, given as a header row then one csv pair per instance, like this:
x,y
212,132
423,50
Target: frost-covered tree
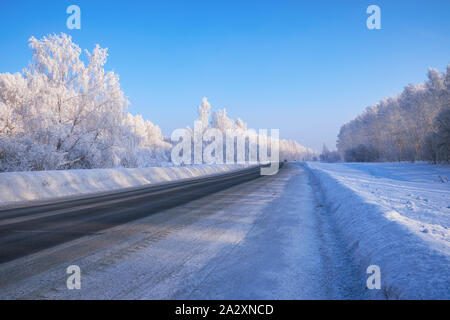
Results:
x,y
248,139
204,111
65,111
329,156
401,128
238,143
146,142
438,141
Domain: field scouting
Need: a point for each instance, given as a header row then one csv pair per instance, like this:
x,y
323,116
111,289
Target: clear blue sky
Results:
x,y
305,67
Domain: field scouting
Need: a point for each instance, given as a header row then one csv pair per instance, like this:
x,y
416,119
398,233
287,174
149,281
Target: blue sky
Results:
x,y
305,67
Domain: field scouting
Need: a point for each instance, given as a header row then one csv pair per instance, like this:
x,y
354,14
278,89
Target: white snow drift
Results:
x,y
21,187
396,216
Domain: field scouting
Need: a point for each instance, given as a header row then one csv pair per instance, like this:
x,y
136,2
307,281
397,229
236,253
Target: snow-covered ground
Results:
x,y
268,238
22,187
396,216
294,235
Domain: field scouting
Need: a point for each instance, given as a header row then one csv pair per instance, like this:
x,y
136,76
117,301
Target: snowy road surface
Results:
x,y
270,238
25,230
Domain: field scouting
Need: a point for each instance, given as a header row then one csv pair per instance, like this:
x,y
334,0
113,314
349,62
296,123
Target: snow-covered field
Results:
x,y
396,216
22,187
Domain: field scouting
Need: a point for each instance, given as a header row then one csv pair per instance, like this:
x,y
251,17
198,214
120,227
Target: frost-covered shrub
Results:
x,y
23,154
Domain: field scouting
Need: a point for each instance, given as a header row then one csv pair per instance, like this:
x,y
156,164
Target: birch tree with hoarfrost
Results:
x,y
65,112
411,126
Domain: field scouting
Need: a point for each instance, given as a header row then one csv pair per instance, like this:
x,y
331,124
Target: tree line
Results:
x,y
64,111
413,126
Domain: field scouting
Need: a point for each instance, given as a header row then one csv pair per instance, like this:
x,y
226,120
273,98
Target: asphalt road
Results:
x,y
27,230
267,238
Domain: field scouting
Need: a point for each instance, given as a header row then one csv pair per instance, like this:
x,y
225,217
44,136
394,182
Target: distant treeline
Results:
x,y
412,126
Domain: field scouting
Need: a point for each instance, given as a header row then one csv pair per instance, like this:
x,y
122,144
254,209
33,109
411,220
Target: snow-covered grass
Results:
x,y
396,216
22,187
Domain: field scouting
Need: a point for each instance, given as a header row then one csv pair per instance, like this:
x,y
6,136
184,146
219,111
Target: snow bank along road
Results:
x,y
29,229
268,238
26,188
395,216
